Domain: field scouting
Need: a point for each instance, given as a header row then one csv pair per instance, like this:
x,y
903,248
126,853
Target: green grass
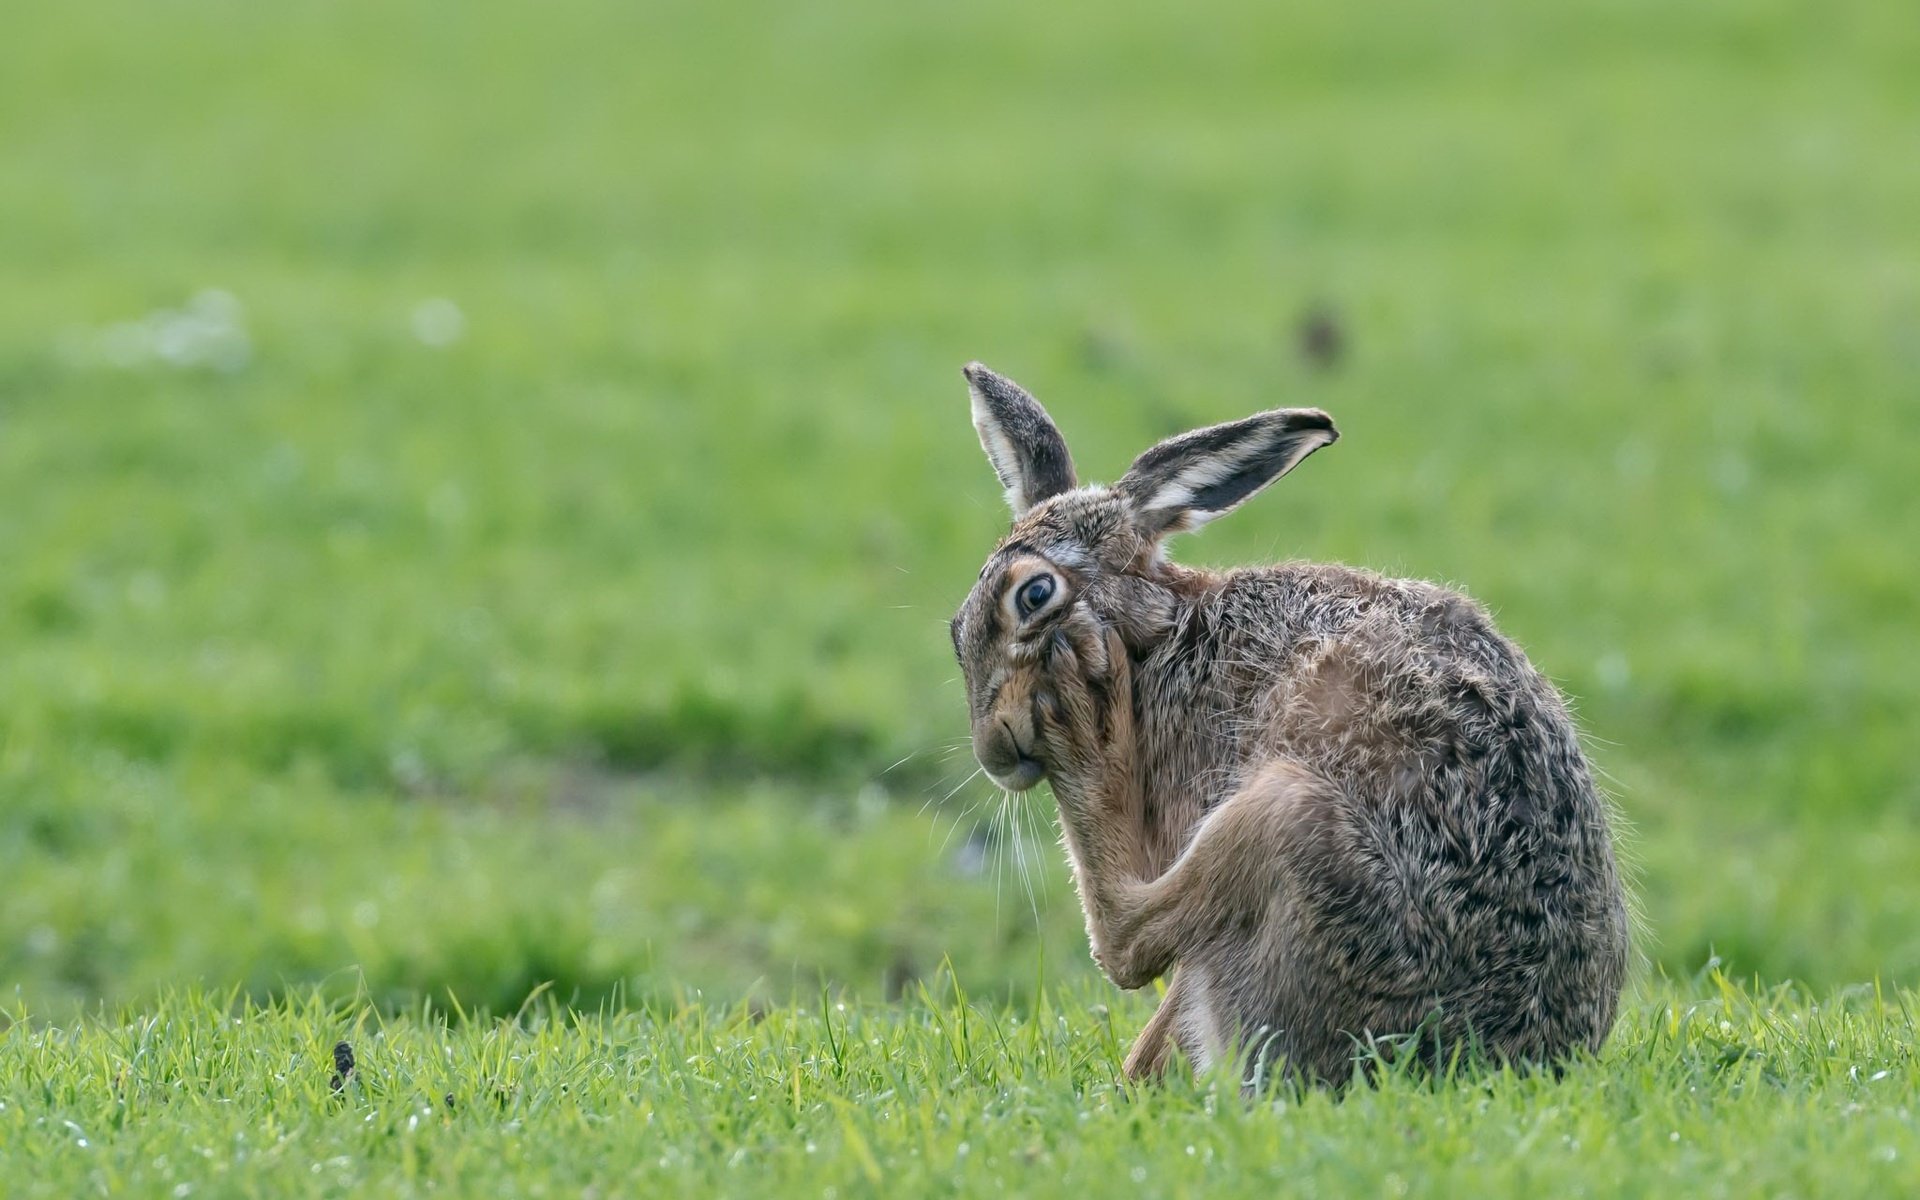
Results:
x,y
1730,1094
591,639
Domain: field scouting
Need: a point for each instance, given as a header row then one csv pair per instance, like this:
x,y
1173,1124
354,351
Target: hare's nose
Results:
x,y
996,748
1005,759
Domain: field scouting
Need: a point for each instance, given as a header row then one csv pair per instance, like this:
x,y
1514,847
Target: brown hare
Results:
x,y
1343,810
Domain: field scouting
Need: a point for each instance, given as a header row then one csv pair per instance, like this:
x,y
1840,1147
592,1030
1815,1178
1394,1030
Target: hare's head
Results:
x,y
1083,560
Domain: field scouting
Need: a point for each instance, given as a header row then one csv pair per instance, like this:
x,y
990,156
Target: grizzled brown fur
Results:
x,y
1337,807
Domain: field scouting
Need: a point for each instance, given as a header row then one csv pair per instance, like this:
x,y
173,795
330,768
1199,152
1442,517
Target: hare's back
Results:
x,y
1405,693
1463,785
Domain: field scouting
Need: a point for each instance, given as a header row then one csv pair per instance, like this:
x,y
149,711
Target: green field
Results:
x,y
481,490
1728,1093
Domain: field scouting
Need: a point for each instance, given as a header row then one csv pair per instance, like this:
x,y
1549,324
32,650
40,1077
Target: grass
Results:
x,y
480,495
1726,1093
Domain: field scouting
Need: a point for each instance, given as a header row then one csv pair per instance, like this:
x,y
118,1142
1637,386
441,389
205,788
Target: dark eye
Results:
x,y
1034,594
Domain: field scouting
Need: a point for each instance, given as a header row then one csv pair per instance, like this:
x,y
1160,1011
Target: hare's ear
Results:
x,y
1027,452
1186,481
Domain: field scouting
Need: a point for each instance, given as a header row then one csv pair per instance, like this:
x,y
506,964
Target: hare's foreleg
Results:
x,y
1153,1050
1229,910
1227,880
1226,886
1086,718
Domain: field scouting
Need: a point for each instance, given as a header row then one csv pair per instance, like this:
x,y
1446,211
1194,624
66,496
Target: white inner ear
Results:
x,y
1000,453
1177,493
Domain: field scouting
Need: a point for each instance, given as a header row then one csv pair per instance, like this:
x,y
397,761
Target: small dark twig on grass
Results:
x,y
1321,338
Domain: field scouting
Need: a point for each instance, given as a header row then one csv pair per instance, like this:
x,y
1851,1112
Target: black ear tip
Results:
x,y
976,373
1301,419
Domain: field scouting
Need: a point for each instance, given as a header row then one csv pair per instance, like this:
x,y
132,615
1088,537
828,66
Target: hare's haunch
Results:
x,y
1339,808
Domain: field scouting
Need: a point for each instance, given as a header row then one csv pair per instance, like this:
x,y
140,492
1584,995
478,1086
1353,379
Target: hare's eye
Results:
x,y
1034,593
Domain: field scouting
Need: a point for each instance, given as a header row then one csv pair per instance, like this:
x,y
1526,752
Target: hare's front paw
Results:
x,y
1085,710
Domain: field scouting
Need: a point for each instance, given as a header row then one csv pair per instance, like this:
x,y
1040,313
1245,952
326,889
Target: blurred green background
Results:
x,y
481,487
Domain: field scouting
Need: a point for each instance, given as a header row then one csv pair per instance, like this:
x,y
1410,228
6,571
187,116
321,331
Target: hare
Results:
x,y
1342,810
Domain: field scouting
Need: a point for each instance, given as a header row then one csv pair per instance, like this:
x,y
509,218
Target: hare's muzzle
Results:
x,y
1005,761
